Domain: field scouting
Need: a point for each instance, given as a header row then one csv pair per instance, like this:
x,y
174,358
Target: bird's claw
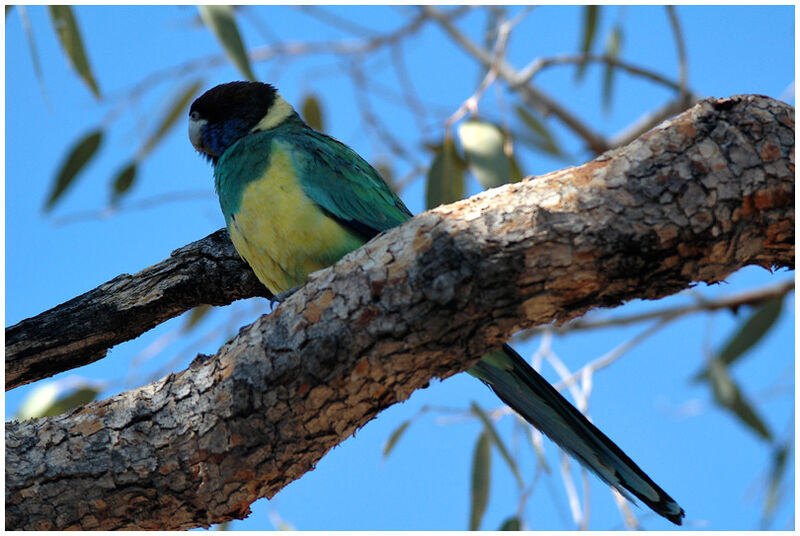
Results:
x,y
282,297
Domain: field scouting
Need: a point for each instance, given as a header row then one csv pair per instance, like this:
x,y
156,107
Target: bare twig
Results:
x,y
539,64
679,44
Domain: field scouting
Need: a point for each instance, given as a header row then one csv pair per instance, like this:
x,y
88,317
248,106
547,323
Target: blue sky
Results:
x,y
702,456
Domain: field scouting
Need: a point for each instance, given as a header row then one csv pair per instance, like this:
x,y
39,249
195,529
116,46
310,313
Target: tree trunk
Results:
x,y
694,199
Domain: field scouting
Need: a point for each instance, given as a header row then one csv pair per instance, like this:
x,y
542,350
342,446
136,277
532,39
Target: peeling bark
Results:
x,y
692,200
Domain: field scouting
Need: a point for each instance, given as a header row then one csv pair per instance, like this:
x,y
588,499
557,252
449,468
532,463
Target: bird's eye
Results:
x,y
194,115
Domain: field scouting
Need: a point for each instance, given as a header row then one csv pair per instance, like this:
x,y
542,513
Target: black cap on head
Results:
x,y
247,101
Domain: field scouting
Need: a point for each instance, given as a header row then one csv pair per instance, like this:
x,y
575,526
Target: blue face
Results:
x,y
217,137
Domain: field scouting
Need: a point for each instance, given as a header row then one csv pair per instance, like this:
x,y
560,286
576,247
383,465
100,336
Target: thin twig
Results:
x,y
532,96
679,44
539,64
748,297
140,204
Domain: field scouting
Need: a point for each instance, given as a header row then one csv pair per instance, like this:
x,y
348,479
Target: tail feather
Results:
x,y
530,395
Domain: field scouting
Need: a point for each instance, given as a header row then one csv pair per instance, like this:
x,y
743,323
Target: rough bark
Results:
x,y
692,200
82,330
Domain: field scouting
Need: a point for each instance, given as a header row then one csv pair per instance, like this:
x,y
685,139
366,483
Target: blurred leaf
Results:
x,y
778,468
395,437
37,68
751,332
49,399
512,523
8,8
612,49
225,525
495,437
482,143
70,36
541,137
312,112
80,154
78,397
445,181
481,467
123,182
728,396
177,109
222,24
195,316
590,16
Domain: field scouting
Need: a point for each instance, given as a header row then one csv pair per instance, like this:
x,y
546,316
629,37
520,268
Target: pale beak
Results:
x,y
196,133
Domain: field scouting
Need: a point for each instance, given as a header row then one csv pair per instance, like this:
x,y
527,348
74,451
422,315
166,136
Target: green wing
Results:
x,y
341,182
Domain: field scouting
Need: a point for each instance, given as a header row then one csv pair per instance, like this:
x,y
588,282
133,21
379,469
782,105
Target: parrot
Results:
x,y
296,200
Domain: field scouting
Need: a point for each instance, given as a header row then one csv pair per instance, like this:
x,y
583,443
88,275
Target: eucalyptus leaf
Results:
x,y
79,155
37,68
495,437
612,50
51,399
481,469
221,22
69,36
395,437
512,523
445,180
122,182
590,17
311,111
195,316
780,456
751,331
728,395
483,146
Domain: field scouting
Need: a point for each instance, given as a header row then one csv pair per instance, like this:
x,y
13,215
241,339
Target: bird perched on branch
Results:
x,y
296,200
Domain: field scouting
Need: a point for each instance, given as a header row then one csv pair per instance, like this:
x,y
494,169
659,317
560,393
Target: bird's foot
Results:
x,y
282,296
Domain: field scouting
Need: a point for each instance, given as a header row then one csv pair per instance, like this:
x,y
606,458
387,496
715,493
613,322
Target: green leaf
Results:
x,y
37,68
613,46
749,333
495,437
541,138
590,16
222,24
445,181
728,396
80,154
752,331
483,143
512,523
481,467
778,468
70,37
195,316
311,112
176,109
123,182
395,437
50,399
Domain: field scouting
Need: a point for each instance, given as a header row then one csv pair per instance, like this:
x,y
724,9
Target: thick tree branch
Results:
x,y
82,330
692,200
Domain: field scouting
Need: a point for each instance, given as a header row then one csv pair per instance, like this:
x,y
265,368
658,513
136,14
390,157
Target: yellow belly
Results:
x,y
281,233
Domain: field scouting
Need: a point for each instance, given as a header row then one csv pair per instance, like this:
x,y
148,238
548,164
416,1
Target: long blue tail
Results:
x,y
530,395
